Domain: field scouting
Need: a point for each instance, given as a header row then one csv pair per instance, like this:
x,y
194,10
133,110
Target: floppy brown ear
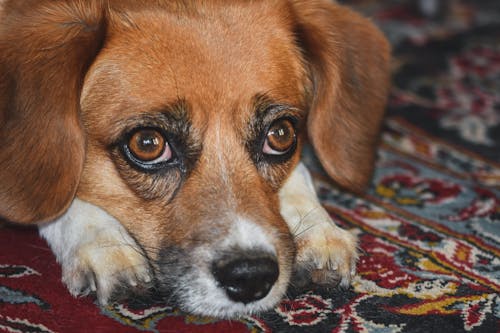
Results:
x,y
45,50
349,61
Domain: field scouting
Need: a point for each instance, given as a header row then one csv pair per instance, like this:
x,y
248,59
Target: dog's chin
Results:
x,y
198,293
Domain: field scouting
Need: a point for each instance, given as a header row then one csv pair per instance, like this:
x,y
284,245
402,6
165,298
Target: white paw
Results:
x,y
104,266
326,253
96,253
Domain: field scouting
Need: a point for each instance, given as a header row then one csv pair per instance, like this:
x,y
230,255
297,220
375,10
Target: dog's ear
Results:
x,y
45,50
349,60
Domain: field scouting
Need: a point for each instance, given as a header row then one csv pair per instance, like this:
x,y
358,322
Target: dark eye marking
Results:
x,y
274,132
159,140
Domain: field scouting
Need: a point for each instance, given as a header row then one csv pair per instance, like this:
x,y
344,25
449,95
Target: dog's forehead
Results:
x,y
214,58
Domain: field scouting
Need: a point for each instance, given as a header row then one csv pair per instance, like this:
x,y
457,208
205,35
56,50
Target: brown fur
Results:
x,y
349,59
60,119
42,144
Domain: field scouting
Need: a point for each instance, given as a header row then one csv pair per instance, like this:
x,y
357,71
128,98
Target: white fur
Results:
x,y
95,251
322,245
248,235
203,297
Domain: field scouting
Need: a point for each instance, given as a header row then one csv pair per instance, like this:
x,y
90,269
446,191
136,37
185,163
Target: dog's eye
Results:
x,y
280,138
149,146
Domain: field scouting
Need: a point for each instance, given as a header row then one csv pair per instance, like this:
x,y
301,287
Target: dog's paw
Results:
x,y
326,254
104,267
96,253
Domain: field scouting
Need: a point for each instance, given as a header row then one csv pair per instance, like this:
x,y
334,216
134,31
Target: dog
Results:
x,y
157,143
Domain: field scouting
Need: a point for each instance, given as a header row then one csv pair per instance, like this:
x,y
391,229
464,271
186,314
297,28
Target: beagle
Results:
x,y
157,142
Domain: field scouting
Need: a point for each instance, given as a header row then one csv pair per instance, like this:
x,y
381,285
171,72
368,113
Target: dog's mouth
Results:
x,y
228,279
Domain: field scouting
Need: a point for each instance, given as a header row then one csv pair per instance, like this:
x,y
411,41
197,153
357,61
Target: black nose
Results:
x,y
246,279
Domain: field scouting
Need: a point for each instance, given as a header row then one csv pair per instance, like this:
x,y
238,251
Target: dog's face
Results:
x,y
183,119
190,134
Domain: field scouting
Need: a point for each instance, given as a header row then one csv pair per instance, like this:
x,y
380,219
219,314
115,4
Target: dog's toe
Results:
x,y
96,253
327,277
78,283
105,267
327,255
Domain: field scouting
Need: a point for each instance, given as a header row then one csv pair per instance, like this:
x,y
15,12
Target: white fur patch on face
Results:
x,y
247,235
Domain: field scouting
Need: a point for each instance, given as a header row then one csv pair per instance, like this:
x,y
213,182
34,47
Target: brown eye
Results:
x,y
280,138
149,145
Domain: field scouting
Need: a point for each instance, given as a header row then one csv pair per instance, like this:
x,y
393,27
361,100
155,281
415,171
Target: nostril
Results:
x,y
247,279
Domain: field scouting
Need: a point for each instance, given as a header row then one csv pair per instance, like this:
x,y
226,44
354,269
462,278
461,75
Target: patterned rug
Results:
x,y
429,226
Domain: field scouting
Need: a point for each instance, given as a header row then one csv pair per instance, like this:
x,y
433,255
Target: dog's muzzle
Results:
x,y
238,274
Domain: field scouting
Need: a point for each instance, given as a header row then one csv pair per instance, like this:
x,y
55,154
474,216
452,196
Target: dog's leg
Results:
x,y
326,252
95,251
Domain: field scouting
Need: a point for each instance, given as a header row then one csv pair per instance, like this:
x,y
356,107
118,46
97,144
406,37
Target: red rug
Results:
x,y
429,226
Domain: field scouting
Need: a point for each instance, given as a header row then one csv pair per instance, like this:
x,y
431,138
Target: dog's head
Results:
x,y
182,119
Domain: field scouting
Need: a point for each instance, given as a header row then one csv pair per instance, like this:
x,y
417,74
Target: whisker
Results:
x,y
301,222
